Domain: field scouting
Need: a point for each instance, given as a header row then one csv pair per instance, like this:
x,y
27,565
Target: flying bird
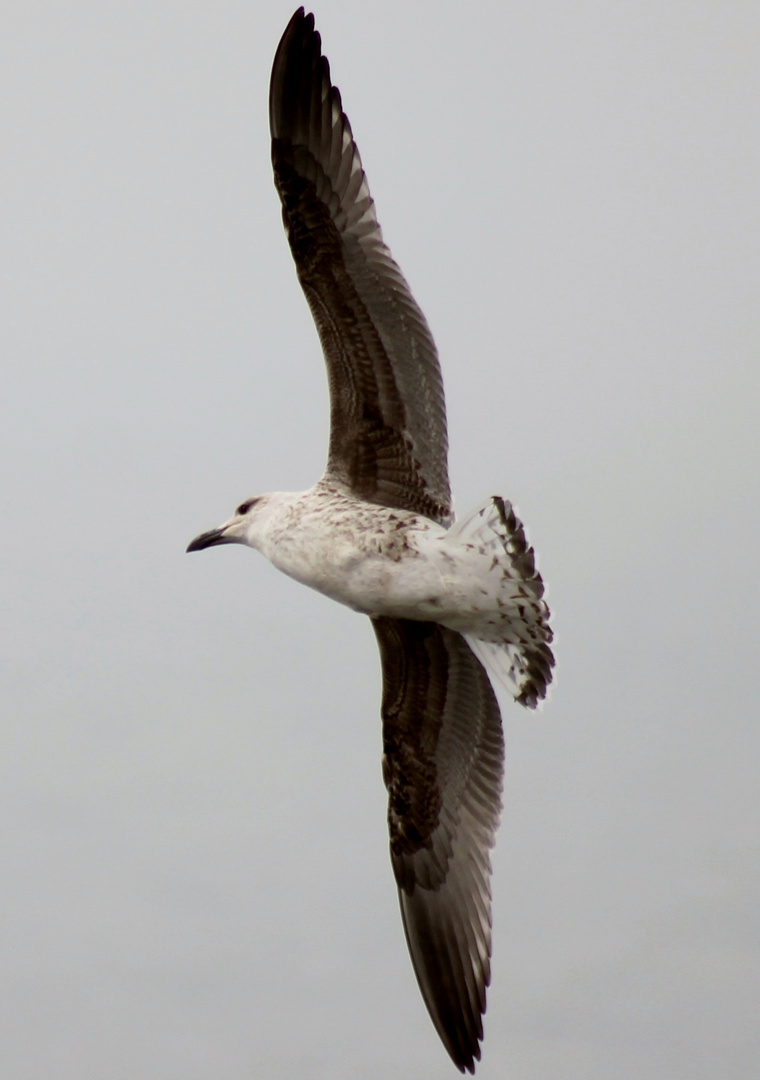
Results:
x,y
450,601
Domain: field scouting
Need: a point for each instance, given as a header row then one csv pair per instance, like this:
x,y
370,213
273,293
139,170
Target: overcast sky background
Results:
x,y
194,868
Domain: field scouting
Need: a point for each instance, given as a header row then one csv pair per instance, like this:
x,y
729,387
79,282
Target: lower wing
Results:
x,y
443,765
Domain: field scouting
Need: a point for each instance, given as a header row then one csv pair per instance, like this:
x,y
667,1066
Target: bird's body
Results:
x,y
374,559
377,533
477,577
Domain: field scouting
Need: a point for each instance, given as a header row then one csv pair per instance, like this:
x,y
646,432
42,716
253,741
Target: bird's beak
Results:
x,y
212,538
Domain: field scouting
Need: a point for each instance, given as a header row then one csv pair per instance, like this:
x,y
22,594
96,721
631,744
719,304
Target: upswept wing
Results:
x,y
443,766
388,440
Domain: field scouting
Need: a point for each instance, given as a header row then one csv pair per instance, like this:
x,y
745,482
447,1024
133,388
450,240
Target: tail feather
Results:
x,y
525,673
515,646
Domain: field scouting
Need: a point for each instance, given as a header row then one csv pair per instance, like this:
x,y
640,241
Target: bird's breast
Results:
x,y
370,560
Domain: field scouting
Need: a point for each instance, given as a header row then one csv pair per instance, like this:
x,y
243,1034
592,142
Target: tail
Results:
x,y
517,652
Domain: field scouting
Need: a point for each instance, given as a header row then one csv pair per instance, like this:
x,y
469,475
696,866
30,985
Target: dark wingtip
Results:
x,y
288,62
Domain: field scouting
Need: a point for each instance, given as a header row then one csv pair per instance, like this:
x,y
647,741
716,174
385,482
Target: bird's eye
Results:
x,y
246,506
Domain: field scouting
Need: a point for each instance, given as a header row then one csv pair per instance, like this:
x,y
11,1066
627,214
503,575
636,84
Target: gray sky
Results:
x,y
194,869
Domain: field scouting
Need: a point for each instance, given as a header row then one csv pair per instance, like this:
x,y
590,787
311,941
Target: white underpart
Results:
x,y
386,562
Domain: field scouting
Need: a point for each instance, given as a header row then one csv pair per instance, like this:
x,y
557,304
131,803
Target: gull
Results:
x,y
449,601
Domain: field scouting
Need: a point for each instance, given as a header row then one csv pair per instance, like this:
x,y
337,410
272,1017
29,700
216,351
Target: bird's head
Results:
x,y
244,527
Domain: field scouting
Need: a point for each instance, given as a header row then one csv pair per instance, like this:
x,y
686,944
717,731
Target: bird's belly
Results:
x,y
365,582
402,584
409,589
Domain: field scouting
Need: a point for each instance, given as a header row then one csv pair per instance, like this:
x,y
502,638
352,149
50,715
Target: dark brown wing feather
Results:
x,y
443,765
388,439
